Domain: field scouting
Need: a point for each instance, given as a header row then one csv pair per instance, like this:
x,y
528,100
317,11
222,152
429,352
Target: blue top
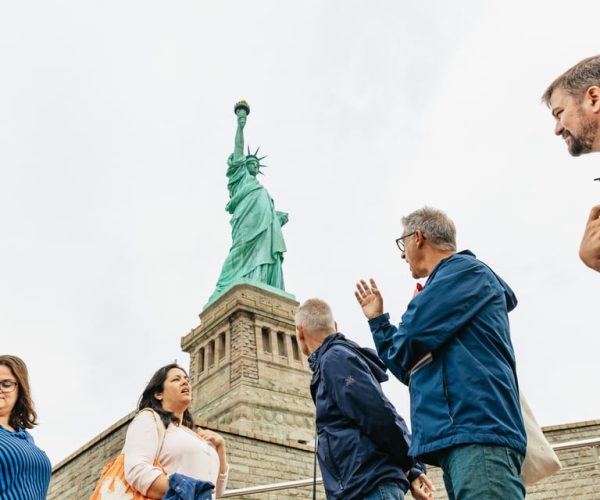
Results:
x,y
362,439
24,469
467,392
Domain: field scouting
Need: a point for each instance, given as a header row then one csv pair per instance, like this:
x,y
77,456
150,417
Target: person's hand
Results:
x,y
212,437
242,117
422,488
589,251
369,298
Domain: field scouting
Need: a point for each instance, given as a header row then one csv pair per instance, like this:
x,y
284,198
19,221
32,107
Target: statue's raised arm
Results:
x,y
257,244
242,110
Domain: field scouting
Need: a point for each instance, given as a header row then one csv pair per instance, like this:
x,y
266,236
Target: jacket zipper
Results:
x,y
336,471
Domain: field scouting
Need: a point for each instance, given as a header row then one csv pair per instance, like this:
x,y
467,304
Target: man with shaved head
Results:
x,y
574,98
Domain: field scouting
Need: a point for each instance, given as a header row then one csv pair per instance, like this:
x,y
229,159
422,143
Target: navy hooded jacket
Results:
x,y
468,391
362,439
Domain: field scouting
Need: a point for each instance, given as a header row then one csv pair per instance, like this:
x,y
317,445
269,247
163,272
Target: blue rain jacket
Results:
x,y
182,487
362,440
468,391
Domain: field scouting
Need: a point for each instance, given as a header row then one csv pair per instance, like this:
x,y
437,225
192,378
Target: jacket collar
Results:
x,y
315,357
448,259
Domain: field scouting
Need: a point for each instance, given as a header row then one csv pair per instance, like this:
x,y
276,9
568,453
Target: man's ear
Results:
x,y
592,96
300,332
419,238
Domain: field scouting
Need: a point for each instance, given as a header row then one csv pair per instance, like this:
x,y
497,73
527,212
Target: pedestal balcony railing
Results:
x,y
594,443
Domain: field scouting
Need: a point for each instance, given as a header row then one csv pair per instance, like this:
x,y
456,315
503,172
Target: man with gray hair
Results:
x,y
574,98
362,441
453,349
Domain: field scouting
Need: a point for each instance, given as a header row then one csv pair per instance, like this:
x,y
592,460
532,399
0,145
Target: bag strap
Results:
x,y
315,467
160,429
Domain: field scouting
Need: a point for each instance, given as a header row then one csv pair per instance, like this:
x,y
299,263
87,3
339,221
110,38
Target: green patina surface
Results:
x,y
257,244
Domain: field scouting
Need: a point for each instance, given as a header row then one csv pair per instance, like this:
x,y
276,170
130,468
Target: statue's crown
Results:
x,y
255,157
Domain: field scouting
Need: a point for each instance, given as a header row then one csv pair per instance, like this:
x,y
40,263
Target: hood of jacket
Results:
x,y
509,295
369,355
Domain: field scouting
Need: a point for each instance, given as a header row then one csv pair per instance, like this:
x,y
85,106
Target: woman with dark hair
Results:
x,y
24,468
183,448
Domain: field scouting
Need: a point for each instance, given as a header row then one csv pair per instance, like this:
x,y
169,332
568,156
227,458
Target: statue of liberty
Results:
x,y
257,244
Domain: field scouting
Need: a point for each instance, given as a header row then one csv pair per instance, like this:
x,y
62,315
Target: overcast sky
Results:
x,y
116,121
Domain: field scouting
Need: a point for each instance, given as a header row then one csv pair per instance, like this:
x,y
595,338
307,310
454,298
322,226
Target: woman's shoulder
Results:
x,y
25,434
147,414
20,432
146,420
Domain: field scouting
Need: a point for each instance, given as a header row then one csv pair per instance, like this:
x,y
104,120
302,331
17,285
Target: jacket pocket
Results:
x,y
332,463
446,395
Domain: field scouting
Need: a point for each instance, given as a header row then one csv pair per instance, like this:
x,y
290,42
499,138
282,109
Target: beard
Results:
x,y
584,141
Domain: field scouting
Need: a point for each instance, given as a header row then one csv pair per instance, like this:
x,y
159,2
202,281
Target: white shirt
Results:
x,y
183,451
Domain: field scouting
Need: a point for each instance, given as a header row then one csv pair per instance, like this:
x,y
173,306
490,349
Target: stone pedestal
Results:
x,y
246,367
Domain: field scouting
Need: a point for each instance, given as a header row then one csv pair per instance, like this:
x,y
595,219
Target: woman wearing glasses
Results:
x,y
24,468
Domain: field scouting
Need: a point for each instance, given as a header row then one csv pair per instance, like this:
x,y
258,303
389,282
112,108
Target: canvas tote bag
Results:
x,y
540,459
112,484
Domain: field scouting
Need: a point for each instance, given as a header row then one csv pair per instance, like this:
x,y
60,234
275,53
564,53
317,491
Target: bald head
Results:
x,y
315,314
314,322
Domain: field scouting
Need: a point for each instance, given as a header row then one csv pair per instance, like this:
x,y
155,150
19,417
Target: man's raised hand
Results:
x,y
369,298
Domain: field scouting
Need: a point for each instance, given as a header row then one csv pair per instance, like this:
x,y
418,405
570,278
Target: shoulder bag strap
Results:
x,y
160,429
315,467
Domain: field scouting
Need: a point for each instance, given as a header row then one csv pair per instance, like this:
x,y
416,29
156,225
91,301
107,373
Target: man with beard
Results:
x,y
574,98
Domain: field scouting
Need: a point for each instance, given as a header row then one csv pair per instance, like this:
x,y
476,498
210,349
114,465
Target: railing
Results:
x,y
264,488
576,444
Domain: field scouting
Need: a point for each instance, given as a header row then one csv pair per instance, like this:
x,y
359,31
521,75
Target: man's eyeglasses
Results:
x,y
8,385
400,243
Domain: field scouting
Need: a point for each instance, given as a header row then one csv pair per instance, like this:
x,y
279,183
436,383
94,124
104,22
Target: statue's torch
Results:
x,y
241,105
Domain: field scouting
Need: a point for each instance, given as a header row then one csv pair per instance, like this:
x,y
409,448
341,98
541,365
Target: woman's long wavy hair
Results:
x,y
23,415
148,398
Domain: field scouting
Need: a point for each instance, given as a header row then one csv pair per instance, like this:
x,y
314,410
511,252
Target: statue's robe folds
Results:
x,y
257,244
